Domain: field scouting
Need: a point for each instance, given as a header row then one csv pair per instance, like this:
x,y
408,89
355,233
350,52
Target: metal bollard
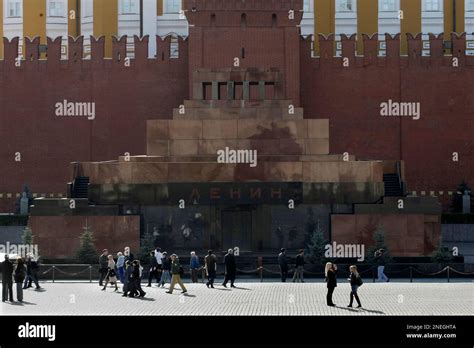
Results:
x,y
54,267
260,266
90,274
411,274
448,273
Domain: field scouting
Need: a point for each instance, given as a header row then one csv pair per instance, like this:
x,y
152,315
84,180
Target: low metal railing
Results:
x,y
62,271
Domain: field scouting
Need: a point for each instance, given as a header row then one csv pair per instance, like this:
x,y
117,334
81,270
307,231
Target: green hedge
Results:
x,y
457,218
13,220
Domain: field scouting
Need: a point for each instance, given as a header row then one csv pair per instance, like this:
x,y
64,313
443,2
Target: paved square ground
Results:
x,y
251,298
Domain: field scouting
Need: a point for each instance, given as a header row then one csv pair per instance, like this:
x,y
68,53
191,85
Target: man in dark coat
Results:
x,y
283,263
7,280
299,267
31,273
153,269
128,286
210,262
103,266
137,278
230,268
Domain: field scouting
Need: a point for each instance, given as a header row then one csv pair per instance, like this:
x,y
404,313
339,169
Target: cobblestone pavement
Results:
x,y
250,298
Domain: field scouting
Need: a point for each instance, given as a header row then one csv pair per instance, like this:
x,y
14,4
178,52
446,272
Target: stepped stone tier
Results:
x,y
236,114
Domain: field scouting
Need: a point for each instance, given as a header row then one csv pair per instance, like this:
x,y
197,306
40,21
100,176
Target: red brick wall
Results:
x,y
59,236
350,97
125,98
405,235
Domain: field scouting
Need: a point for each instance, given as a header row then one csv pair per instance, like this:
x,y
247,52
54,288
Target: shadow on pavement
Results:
x,y
372,311
347,309
17,303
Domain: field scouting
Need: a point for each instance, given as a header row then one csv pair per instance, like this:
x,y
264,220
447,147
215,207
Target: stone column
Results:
x,y
230,90
198,91
246,87
261,90
215,90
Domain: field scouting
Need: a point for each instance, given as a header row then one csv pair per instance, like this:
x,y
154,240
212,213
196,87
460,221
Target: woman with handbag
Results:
x,y
330,272
356,281
111,276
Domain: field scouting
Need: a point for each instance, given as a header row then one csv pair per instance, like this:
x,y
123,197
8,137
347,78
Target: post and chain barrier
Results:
x,y
259,271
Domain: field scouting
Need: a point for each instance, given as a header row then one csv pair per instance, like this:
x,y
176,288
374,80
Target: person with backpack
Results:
x,y
19,276
355,281
176,271
330,272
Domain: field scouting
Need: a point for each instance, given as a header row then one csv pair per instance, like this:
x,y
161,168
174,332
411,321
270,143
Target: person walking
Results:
x,y
210,262
166,274
299,267
355,281
137,278
120,267
159,262
380,259
128,254
103,266
111,276
7,279
176,275
153,273
31,272
128,286
230,268
330,272
194,267
283,264
19,276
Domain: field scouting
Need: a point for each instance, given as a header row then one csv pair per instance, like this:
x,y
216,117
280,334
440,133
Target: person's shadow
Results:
x,y
188,295
146,299
372,311
23,303
347,308
241,288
